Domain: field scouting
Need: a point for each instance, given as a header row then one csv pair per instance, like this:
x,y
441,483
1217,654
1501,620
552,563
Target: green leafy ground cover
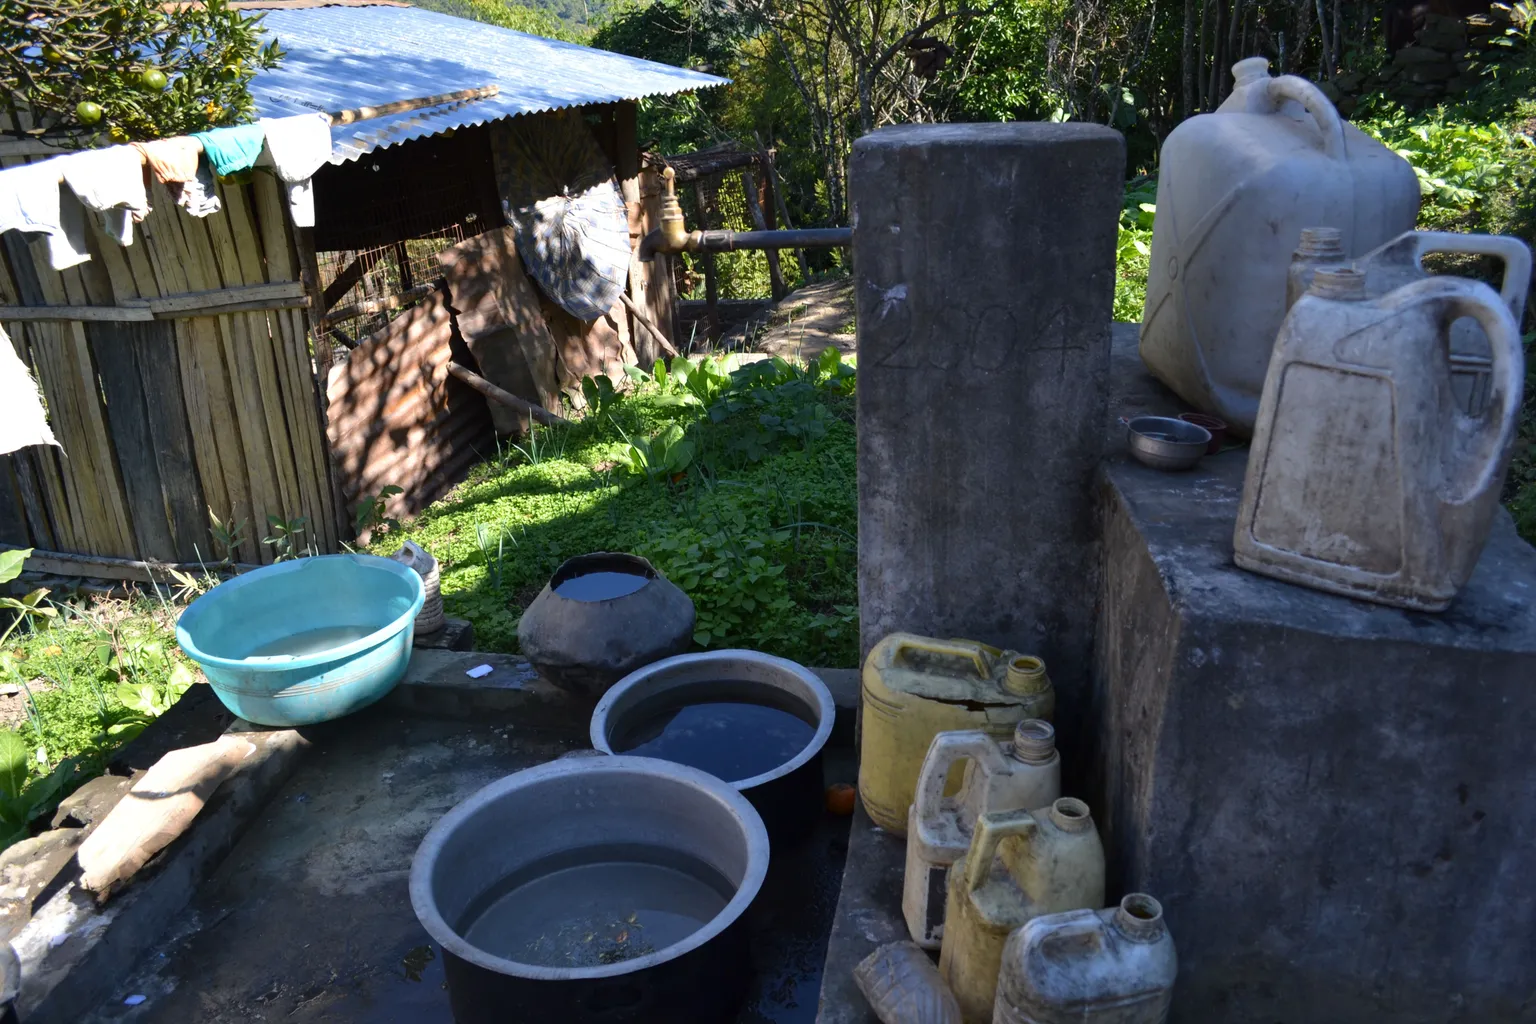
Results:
x,y
81,682
739,487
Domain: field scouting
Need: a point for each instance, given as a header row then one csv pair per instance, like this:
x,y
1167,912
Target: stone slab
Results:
x,y
309,920
73,952
453,635
868,916
88,805
198,717
28,870
1333,799
437,683
984,271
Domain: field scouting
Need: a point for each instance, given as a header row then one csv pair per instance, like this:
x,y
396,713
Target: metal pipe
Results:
x,y
673,236
800,238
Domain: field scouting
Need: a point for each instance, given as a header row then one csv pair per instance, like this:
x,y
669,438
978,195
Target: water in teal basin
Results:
x,y
312,641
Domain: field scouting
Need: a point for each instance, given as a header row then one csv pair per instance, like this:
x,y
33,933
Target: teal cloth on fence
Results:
x,y
232,150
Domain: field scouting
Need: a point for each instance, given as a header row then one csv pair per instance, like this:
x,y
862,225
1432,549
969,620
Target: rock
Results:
x,y
1331,91
1417,55
1350,82
1462,83
453,635
1426,73
27,869
86,806
1442,33
1347,105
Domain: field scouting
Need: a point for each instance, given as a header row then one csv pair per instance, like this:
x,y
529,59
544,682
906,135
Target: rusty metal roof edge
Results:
x,y
346,149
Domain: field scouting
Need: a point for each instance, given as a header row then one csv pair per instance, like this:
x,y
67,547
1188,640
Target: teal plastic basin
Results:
x,y
305,641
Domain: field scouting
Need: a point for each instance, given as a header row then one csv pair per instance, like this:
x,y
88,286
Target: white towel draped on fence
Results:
x,y
22,421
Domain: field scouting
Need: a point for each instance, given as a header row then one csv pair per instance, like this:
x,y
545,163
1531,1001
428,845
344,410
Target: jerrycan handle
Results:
x,y
1459,297
946,749
992,829
945,649
1290,87
1513,253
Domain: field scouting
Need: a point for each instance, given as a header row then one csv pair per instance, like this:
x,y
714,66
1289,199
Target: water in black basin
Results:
x,y
730,739
596,906
600,586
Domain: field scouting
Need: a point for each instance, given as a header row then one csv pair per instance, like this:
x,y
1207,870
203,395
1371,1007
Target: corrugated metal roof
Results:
x,y
340,58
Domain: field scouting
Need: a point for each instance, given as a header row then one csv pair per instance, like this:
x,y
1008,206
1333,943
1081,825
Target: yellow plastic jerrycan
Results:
x,y
916,687
1021,865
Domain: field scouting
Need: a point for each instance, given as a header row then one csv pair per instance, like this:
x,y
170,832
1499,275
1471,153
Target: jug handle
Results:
x,y
1291,87
946,650
1513,253
946,749
1460,297
992,829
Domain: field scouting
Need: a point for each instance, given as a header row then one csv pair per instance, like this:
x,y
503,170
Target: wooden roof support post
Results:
x,y
776,201
755,210
309,272
704,191
627,164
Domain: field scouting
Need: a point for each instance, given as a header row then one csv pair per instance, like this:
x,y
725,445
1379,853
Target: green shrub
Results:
x,y
1132,255
757,523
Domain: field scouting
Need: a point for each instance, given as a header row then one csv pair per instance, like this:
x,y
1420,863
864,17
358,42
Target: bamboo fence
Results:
x,y
184,389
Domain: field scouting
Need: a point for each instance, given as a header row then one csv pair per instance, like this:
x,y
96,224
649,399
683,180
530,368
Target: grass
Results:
x,y
740,488
90,679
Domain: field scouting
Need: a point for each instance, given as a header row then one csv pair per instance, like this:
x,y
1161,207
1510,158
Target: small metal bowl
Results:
x,y
1165,443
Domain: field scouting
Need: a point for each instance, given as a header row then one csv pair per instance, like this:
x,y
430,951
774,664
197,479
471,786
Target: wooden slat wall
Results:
x,y
163,421
397,417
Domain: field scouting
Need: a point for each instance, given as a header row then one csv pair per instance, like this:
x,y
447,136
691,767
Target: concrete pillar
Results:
x,y
984,257
1332,799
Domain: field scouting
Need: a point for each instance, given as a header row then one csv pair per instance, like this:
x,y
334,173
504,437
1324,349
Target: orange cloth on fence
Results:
x,y
172,160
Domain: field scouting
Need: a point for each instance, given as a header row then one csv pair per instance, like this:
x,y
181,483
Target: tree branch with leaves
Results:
x,y
134,69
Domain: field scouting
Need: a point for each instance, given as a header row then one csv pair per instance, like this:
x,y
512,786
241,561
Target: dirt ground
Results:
x,y
809,320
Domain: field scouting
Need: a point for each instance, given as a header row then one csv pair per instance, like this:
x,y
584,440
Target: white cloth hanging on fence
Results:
x,y
32,201
22,420
111,182
296,147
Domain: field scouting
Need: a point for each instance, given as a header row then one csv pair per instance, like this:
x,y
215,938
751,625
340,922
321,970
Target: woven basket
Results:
x,y
430,619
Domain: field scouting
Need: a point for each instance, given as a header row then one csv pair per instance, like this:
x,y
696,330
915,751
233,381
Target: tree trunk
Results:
x,y
1187,57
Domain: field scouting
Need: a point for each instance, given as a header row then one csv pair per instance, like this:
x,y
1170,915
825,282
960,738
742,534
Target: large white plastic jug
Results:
x,y
1114,966
1235,189
1365,477
998,777
1401,261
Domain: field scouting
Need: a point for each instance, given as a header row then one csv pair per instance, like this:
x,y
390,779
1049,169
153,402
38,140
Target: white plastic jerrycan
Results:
x,y
1234,191
1114,966
1012,776
1365,477
1401,261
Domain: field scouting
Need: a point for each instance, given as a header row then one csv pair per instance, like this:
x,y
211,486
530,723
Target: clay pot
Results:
x,y
600,617
1215,425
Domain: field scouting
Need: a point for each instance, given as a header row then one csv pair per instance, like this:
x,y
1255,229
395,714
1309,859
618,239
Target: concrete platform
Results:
x,y
308,918
1333,799
868,916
